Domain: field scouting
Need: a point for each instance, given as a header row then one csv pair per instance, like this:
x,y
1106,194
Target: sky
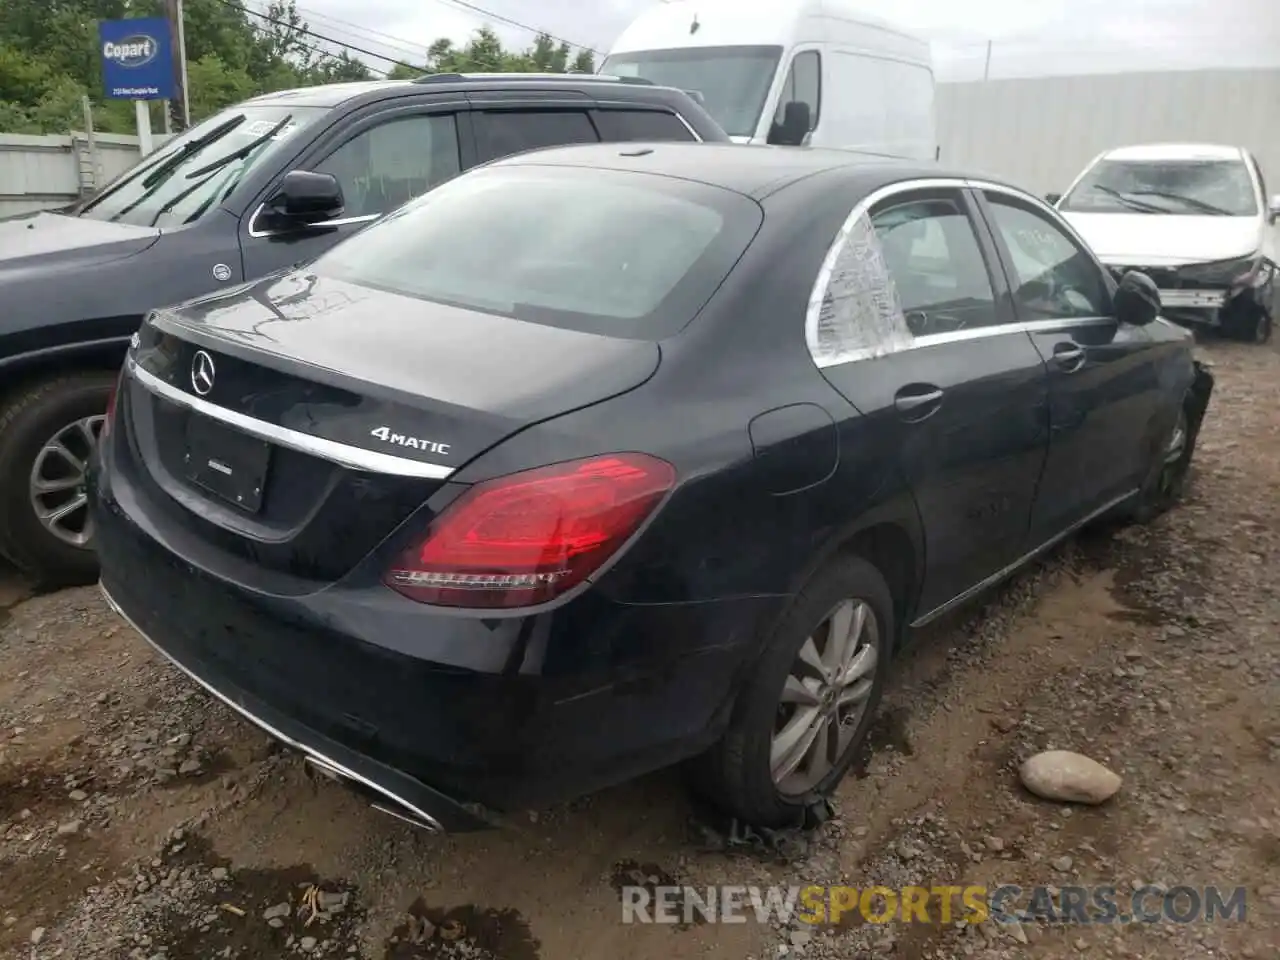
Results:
x,y
1027,37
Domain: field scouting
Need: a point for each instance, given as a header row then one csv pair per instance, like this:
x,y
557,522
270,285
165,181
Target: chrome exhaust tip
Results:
x,y
383,803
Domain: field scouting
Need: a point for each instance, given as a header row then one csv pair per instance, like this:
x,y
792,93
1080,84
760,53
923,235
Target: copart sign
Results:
x,y
137,59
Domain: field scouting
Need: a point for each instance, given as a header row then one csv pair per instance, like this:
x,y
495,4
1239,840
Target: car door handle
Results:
x,y
1069,357
916,403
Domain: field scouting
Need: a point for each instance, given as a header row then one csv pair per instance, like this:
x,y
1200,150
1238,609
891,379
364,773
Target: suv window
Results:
x,y
500,133
1054,277
390,164
803,84
653,125
933,257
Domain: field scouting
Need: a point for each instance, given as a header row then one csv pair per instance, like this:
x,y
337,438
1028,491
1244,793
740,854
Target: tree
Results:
x,y
49,58
342,68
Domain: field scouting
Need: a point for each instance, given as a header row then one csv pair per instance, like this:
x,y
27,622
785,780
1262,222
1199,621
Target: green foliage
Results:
x,y
49,59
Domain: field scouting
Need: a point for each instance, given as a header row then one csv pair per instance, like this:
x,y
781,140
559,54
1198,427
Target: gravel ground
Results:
x,y
138,819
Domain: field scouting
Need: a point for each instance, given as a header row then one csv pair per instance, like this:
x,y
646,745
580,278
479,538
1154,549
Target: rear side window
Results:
x,y
500,133
618,125
622,254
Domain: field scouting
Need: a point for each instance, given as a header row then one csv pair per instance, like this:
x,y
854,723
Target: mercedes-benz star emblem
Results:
x,y
202,373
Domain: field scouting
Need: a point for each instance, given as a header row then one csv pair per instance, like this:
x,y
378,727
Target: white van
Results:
x,y
1194,217
790,72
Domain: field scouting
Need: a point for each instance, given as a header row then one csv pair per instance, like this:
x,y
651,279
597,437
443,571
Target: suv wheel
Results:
x,y
805,708
47,435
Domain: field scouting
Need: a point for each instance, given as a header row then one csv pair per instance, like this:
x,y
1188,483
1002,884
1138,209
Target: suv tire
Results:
x,y
65,408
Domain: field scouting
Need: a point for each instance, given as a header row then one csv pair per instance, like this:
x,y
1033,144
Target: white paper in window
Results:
x,y
855,308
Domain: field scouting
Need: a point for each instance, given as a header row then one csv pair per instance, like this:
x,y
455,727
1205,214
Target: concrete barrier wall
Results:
x,y
41,172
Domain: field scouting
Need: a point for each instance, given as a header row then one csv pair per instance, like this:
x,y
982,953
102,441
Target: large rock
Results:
x,y
1070,777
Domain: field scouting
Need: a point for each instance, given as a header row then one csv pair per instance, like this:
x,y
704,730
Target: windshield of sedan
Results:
x,y
191,174
732,81
1220,188
622,254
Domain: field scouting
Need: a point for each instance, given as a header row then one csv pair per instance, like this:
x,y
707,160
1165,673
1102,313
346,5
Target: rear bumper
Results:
x,y
445,714
407,798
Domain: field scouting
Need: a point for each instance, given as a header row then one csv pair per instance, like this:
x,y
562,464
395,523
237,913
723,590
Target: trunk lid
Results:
x,y
295,422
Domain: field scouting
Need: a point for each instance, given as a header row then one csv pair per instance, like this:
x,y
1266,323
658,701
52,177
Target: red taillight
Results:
x,y
528,537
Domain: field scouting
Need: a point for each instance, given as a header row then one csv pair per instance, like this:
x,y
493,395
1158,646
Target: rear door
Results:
x,y
386,156
1103,388
943,371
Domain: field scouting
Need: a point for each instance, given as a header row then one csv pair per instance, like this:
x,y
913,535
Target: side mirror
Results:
x,y
796,121
1137,299
1273,208
304,198
1052,199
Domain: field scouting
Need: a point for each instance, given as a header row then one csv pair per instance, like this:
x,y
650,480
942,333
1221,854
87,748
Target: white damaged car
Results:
x,y
1196,218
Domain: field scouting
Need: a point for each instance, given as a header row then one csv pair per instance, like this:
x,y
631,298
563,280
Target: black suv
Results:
x,y
257,188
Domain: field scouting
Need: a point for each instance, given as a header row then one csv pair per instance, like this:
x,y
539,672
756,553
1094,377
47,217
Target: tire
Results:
x,y
737,775
62,407
1248,322
1166,478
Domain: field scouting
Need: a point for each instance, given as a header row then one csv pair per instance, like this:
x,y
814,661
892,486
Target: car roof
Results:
x,y
1175,151
754,171
334,94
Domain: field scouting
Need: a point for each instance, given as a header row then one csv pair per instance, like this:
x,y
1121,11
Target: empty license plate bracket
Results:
x,y
229,464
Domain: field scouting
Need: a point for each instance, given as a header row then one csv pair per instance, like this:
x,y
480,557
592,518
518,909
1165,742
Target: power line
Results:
x,y
319,36
329,54
387,40
489,14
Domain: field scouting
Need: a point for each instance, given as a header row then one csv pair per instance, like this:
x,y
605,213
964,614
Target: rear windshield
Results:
x,y
630,255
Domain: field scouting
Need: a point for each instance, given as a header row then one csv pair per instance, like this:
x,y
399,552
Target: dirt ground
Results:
x,y
138,819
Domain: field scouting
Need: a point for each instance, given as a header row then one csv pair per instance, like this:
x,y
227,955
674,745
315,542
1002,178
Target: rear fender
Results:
x,y
898,511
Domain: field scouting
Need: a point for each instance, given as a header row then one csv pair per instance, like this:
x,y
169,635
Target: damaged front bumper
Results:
x,y
1205,294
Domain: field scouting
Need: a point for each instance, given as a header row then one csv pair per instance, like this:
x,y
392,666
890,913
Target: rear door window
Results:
x,y
937,266
500,133
620,125
622,254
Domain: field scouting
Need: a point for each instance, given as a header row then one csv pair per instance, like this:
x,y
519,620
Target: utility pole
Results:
x,y
180,105
986,67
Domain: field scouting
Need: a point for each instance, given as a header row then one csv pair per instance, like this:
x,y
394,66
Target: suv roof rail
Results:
x,y
454,77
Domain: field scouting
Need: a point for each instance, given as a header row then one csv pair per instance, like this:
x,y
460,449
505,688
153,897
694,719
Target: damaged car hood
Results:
x,y
1167,240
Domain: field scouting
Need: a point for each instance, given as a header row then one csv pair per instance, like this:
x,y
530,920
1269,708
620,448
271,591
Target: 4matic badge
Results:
x,y
413,443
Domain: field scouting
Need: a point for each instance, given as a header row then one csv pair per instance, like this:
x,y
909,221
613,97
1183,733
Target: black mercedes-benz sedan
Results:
x,y
598,459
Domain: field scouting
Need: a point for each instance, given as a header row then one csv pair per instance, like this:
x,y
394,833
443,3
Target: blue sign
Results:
x,y
137,59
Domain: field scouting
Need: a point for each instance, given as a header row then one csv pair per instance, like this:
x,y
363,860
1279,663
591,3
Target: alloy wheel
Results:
x,y
825,696
58,481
